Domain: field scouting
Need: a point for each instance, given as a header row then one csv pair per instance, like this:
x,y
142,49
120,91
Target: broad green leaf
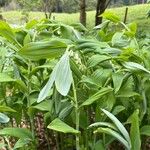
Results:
x,y
61,126
7,32
103,124
3,118
46,89
99,145
43,49
21,142
111,16
127,94
135,67
109,50
63,78
118,40
64,112
69,32
145,130
44,106
104,24
31,24
46,66
6,109
21,85
133,29
114,134
117,80
75,69
5,78
134,131
118,109
119,125
17,132
96,59
97,96
91,44
27,39
79,27
61,75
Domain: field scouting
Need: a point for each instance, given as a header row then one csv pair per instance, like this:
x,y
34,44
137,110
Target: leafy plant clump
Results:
x,y
64,87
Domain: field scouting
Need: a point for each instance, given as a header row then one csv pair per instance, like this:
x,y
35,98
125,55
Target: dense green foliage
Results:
x,y
91,89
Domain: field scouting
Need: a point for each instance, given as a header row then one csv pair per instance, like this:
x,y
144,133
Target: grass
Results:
x,y
136,13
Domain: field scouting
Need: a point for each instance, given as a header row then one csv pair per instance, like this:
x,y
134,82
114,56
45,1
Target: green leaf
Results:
x,y
111,16
97,96
145,130
103,124
116,39
46,89
21,142
27,39
31,24
133,28
119,125
134,131
75,69
61,75
118,109
117,80
64,112
43,49
5,78
135,67
44,106
103,25
6,109
61,126
17,132
99,145
114,134
7,32
96,59
3,118
127,94
21,85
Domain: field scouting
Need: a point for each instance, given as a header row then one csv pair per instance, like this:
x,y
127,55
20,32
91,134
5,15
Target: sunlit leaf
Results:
x,y
111,16
135,67
63,77
97,96
96,59
119,125
145,130
114,134
4,118
6,109
61,126
17,132
43,49
134,131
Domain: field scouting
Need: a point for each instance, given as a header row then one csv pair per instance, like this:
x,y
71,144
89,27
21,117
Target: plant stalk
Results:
x,y
29,104
77,113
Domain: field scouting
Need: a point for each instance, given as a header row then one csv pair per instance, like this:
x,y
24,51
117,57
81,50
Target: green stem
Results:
x,y
57,141
144,99
77,113
29,104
